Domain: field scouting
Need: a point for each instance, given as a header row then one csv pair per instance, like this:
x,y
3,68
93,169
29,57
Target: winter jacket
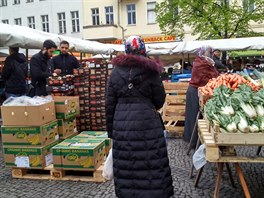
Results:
x,y
65,62
202,72
140,160
219,66
40,70
14,73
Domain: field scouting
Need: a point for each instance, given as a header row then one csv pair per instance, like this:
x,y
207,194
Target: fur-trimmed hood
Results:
x,y
137,61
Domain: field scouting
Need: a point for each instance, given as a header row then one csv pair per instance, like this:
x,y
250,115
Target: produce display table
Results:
x,y
224,154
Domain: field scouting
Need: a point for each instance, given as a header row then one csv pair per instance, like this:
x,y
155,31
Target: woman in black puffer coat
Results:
x,y
140,159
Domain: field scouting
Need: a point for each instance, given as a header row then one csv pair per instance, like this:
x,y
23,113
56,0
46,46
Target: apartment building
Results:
x,y
54,16
111,21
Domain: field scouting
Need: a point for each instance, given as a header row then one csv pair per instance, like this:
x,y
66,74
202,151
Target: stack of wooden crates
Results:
x,y
173,111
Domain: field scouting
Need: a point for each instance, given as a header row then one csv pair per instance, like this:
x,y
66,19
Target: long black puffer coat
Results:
x,y
140,160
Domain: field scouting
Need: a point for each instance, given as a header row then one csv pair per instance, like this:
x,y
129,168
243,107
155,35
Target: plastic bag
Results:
x,y
199,159
108,172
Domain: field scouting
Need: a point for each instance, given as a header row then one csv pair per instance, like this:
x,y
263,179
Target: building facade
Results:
x,y
111,21
55,16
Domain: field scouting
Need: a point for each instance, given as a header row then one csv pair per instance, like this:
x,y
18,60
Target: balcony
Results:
x,y
102,32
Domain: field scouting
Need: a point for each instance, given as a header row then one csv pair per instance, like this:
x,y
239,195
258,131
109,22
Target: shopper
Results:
x,y
64,62
14,73
219,66
203,70
40,68
135,91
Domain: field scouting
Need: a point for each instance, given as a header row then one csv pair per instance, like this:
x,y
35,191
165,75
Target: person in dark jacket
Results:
x,y
64,61
203,70
14,73
135,91
40,67
219,66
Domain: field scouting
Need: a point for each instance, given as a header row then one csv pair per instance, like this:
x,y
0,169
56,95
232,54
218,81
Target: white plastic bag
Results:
x,y
108,172
199,159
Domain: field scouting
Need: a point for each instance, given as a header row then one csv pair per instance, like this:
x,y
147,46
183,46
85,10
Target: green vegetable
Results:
x,y
260,75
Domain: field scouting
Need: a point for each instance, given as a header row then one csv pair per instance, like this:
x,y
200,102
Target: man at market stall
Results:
x,y
64,62
14,73
40,68
219,66
203,70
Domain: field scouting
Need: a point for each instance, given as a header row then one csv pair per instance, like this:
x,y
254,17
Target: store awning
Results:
x,y
247,53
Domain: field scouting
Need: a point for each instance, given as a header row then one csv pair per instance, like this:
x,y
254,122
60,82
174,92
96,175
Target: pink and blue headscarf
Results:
x,y
207,53
135,45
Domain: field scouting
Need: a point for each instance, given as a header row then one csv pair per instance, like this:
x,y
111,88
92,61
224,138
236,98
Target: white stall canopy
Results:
x,y
28,38
24,37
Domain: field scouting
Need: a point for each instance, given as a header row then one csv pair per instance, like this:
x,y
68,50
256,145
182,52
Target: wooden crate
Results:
x,y
179,88
203,99
227,139
55,174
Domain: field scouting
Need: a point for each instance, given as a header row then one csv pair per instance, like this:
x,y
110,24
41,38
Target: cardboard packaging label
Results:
x,y
28,157
66,106
30,135
102,135
78,155
67,127
28,115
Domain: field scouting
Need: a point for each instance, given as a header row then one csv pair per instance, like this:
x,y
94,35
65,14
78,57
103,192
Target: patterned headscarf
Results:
x,y
207,53
135,45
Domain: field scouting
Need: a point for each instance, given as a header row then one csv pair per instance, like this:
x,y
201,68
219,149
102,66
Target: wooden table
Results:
x,y
223,154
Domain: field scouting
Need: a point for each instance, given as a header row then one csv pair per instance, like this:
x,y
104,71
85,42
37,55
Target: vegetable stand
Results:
x,y
216,152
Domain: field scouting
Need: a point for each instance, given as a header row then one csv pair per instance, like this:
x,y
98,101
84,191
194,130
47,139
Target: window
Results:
x,y
151,14
45,23
3,3
62,22
131,14
109,15
18,21
75,21
249,5
16,1
31,22
30,1
95,16
5,21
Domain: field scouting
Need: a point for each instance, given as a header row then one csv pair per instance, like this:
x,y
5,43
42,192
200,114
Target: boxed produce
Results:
x,y
28,115
60,80
30,135
28,157
66,127
96,135
66,106
73,154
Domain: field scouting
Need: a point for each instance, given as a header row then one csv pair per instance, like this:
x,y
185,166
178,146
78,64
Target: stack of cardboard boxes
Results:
x,y
98,83
61,85
86,151
67,108
28,134
81,84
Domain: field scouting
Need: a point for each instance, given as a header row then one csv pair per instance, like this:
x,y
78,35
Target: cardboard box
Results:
x,y
30,135
28,115
67,127
66,106
96,135
75,155
28,157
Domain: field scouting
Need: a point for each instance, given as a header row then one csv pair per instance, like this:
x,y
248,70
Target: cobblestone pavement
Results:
x,y
180,165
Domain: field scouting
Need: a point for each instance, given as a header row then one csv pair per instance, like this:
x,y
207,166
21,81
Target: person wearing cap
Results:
x,y
14,73
219,66
40,68
64,61
135,91
203,70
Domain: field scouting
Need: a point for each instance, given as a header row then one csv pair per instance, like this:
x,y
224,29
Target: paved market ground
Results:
x,y
180,165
